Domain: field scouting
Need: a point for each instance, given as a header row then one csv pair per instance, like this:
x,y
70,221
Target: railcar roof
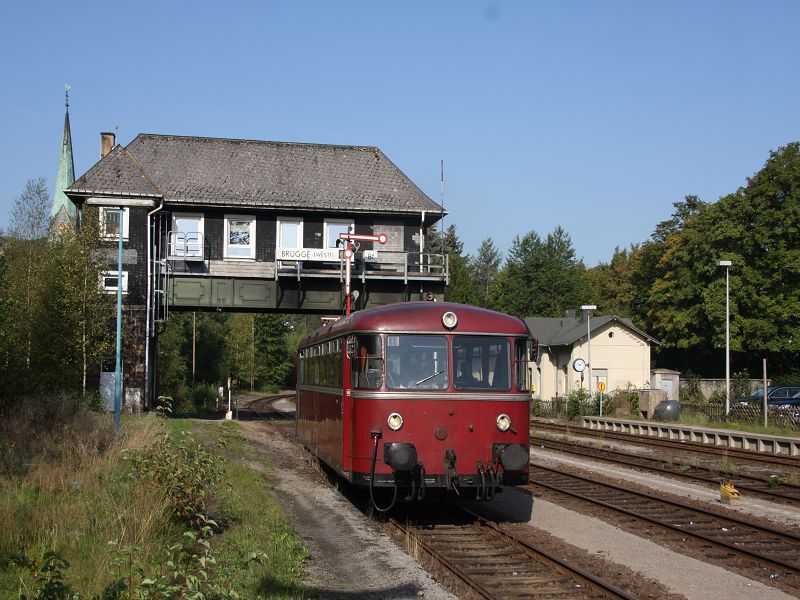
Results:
x,y
421,317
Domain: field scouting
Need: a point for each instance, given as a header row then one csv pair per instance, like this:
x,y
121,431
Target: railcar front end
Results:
x,y
434,398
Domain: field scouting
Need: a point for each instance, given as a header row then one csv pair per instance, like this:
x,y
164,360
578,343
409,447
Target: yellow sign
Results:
x,y
601,386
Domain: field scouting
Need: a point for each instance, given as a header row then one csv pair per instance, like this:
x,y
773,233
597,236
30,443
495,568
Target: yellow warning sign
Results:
x,y
601,386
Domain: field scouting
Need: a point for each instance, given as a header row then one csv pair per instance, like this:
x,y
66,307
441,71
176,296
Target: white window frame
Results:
x,y
351,225
279,237
251,246
126,221
200,230
112,289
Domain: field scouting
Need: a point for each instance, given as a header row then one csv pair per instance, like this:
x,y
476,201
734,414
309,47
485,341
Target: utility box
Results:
x,y
667,380
648,400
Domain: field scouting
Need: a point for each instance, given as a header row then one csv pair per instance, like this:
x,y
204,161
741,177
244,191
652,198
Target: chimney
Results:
x,y
107,140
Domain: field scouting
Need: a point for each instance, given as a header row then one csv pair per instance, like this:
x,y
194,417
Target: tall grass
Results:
x,y
112,505
65,487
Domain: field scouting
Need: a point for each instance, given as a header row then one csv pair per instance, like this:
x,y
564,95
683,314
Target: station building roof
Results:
x,y
567,330
201,171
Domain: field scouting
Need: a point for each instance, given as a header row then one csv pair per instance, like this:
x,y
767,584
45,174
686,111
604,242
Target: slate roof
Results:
x,y
568,330
116,174
249,173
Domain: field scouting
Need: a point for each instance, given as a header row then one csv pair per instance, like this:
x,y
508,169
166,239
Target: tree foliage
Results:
x,y
485,267
53,321
542,277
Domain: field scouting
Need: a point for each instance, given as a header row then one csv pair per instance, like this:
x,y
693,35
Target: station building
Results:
x,y
248,225
620,354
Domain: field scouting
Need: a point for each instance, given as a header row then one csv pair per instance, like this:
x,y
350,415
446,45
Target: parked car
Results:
x,y
777,395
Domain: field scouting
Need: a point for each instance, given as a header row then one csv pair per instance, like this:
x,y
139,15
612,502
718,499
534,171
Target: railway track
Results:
x,y
770,460
760,546
486,560
489,562
767,488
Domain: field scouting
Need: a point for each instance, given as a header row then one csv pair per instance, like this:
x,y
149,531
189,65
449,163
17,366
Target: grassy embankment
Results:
x,y
159,510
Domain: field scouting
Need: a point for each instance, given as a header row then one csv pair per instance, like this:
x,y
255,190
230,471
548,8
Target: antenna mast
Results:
x,y
441,202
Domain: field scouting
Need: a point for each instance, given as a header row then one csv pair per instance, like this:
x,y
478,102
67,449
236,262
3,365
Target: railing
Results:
x,y
186,246
384,264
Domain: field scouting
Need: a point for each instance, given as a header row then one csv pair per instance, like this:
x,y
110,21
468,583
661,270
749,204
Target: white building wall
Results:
x,y
624,355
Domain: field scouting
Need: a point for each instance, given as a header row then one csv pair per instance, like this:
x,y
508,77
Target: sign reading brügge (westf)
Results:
x,y
325,254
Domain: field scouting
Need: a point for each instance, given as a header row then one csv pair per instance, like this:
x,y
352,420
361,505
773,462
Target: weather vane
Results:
x,y
66,94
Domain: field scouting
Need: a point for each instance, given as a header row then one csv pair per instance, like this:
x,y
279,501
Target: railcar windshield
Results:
x,y
416,362
366,358
481,363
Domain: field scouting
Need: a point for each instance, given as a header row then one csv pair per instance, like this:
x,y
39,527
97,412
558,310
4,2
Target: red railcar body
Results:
x,y
418,395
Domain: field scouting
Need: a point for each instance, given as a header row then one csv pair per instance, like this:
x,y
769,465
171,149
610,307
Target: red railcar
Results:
x,y
418,396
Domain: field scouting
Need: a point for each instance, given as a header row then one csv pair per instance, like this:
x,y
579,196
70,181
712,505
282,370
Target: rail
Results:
x,y
763,544
492,562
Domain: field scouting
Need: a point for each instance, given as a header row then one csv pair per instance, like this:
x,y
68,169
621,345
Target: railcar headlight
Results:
x,y
503,422
449,319
395,421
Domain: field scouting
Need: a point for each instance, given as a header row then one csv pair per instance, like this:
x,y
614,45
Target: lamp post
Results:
x,y
118,367
727,265
589,308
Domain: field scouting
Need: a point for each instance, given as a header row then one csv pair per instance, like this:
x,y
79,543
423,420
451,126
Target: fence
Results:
x,y
570,408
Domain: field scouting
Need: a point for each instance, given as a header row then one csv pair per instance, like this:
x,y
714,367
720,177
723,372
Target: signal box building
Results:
x,y
620,354
244,225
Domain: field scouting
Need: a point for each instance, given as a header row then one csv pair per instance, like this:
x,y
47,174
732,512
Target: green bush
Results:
x,y
576,402
690,388
536,407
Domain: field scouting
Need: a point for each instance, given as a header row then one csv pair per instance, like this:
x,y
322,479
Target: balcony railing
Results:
x,y
186,246
384,265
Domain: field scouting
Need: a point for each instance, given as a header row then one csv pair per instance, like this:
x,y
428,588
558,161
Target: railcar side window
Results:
x,y
416,362
481,363
366,364
521,365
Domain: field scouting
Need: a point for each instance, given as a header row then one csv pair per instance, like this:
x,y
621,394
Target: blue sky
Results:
x,y
595,116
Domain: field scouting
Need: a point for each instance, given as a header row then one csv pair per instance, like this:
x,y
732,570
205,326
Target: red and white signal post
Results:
x,y
348,256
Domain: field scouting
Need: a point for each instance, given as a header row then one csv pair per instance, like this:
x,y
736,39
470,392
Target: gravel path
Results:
x,y
349,557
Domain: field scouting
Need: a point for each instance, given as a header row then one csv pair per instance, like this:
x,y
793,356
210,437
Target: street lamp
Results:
x,y
727,265
589,308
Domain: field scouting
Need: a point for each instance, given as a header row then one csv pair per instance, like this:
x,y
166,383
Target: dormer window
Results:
x,y
109,223
240,236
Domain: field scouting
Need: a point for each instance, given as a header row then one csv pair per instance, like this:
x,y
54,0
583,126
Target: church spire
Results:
x,y
66,173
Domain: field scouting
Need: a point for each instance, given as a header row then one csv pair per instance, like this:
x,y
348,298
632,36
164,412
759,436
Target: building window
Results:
x,y
109,281
186,237
333,227
240,236
109,223
290,233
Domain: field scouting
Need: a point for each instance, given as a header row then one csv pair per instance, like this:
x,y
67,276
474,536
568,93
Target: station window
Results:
x,y
186,237
333,227
109,223
240,236
110,280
